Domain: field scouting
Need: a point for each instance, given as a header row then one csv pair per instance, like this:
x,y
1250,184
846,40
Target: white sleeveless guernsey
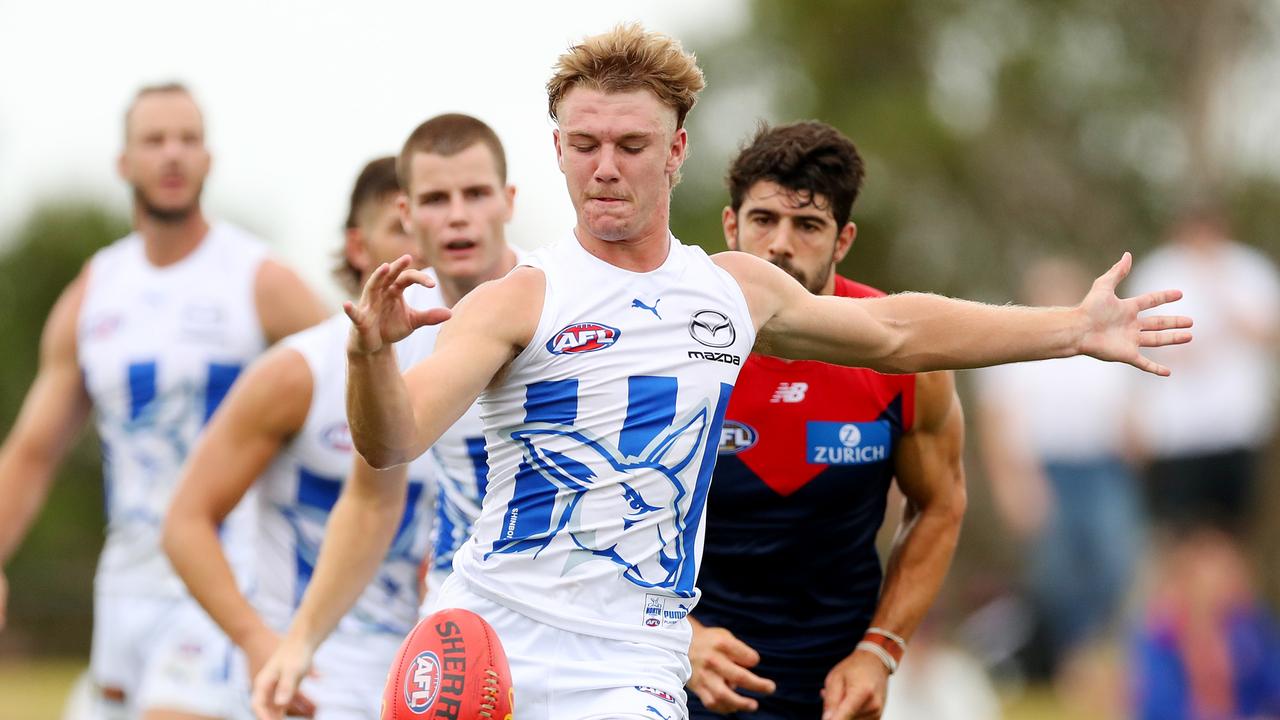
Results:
x,y
298,491
159,348
601,442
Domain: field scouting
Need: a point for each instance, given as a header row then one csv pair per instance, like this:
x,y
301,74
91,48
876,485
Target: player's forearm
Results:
x,y
25,478
356,540
918,564
931,332
195,551
379,410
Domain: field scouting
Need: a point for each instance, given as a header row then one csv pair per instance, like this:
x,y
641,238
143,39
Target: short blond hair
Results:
x,y
629,58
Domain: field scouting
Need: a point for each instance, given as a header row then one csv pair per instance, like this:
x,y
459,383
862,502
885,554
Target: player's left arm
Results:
x,y
919,332
930,473
285,303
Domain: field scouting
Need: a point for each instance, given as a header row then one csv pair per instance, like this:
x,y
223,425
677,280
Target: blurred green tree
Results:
x,y
51,576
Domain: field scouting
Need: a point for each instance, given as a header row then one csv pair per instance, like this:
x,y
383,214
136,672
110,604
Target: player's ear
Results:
x,y
356,251
555,138
509,193
844,240
729,221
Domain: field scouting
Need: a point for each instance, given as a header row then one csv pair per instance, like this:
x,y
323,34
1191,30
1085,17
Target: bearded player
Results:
x,y
807,456
150,336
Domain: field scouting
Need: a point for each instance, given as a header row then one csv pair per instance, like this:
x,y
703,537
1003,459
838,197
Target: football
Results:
x,y
450,667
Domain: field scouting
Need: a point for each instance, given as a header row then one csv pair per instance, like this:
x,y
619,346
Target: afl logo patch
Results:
x,y
582,338
337,437
422,682
712,328
737,436
663,694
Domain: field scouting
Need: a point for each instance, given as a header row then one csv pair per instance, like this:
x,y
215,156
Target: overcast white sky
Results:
x,y
298,95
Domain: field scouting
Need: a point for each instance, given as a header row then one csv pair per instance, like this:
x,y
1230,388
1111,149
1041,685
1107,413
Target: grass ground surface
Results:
x,y
35,690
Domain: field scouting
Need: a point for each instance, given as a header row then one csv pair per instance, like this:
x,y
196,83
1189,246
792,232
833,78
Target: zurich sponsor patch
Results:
x,y
737,436
422,682
582,337
852,443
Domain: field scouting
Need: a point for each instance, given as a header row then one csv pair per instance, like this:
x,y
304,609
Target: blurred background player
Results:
x,y
151,335
1057,442
791,578
1208,646
606,364
282,431
1204,434
455,206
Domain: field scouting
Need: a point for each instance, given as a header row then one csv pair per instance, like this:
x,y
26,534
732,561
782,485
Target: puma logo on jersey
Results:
x,y
789,392
637,303
582,338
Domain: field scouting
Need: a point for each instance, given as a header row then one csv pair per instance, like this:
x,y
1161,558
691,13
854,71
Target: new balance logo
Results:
x,y
637,303
789,392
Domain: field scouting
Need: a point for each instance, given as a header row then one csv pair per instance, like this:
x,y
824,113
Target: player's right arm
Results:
x,y
395,418
52,414
356,539
265,408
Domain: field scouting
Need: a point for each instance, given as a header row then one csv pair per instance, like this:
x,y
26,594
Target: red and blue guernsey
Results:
x,y
806,459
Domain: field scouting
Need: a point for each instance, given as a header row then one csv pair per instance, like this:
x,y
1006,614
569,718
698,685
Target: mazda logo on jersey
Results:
x,y
712,328
582,337
736,436
852,443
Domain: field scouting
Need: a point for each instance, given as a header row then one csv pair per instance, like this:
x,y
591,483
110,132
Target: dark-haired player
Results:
x,y
791,580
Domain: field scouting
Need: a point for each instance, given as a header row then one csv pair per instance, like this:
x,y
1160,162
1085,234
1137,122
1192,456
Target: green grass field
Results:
x,y
35,690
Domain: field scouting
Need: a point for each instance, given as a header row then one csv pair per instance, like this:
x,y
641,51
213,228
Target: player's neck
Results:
x,y
166,243
829,287
643,253
454,287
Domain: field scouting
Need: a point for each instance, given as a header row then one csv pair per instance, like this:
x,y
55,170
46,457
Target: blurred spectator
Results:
x,y
1208,649
1203,427
1053,439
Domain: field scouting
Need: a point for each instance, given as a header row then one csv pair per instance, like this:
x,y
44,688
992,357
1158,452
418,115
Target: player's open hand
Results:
x,y
720,664
855,689
275,686
382,317
1117,333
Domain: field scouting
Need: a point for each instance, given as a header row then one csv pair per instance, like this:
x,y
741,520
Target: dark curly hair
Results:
x,y
809,158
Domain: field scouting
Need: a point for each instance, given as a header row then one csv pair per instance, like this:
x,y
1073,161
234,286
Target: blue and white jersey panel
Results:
x,y
299,490
159,348
601,441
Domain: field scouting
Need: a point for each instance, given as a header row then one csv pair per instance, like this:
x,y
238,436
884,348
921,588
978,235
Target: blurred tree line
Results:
x,y
999,131
51,577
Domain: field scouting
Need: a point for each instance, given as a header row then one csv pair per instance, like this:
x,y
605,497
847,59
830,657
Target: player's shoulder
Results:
x,y
846,287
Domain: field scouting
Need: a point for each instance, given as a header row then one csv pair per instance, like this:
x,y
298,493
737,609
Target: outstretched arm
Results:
x,y
394,419
360,530
265,407
52,414
916,332
930,472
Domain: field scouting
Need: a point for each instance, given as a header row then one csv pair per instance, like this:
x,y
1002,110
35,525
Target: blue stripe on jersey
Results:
x,y
551,401
445,544
479,463
221,377
529,512
698,503
315,493
651,408
410,511
142,387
